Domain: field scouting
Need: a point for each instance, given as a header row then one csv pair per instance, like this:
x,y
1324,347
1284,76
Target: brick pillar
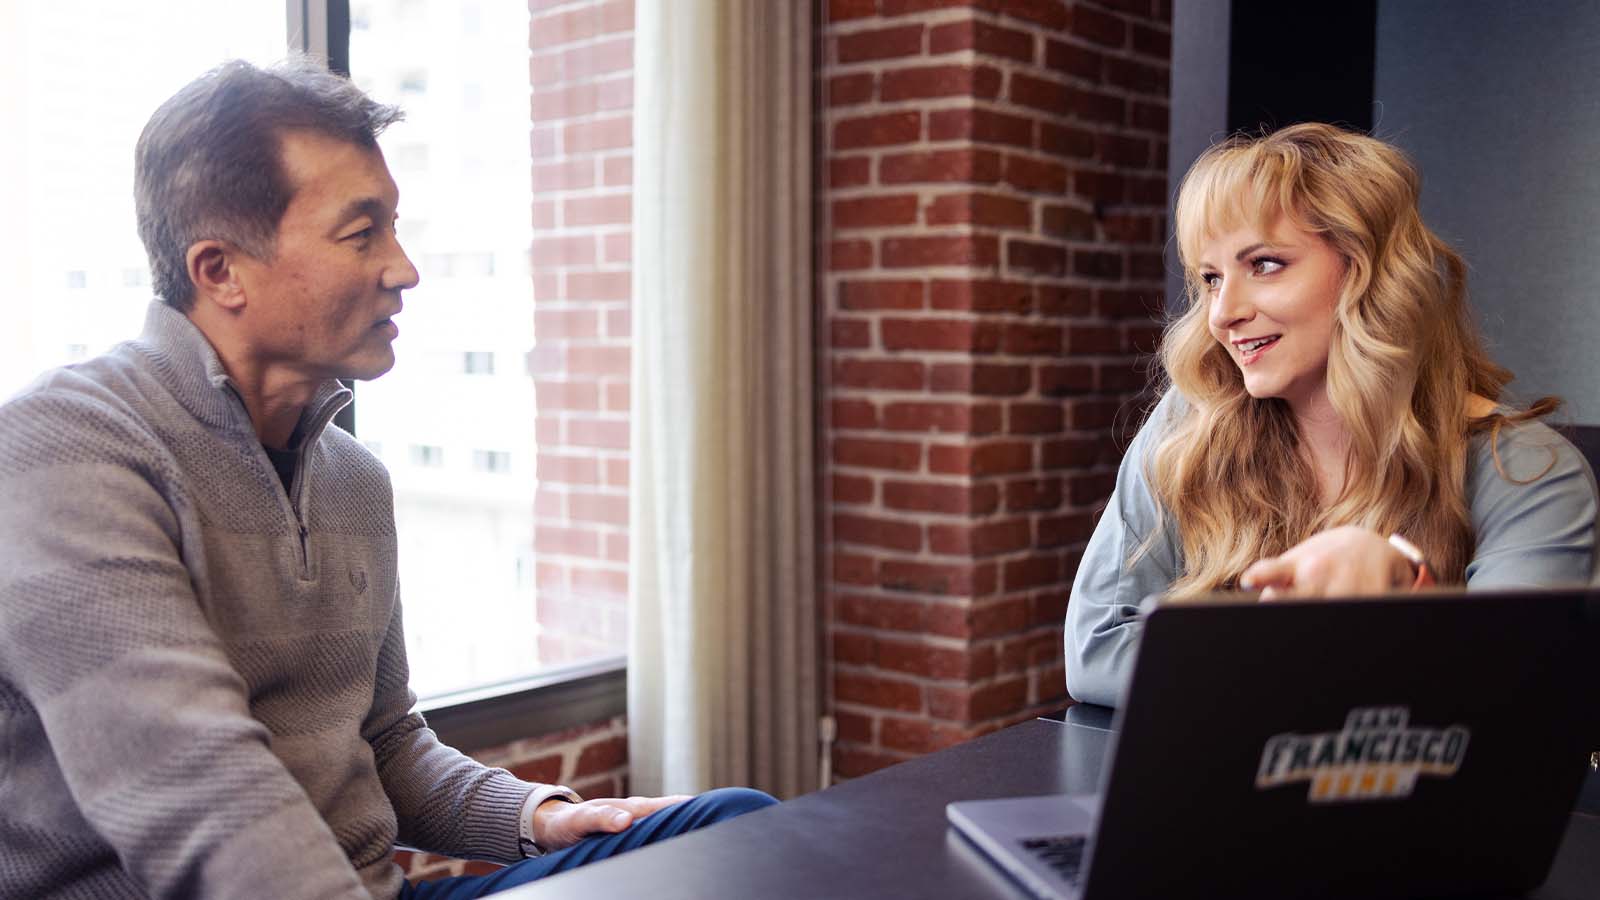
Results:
x,y
996,189
581,73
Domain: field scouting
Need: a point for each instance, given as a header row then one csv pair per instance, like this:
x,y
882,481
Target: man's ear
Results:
x,y
214,270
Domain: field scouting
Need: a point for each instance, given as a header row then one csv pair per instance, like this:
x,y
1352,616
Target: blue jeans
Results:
x,y
706,809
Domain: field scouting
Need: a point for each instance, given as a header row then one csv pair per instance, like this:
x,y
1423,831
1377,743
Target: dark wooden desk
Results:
x,y
885,835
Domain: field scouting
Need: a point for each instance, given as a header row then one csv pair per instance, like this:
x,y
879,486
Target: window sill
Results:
x,y
532,707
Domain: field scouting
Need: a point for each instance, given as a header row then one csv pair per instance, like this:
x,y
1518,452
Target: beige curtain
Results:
x,y
722,669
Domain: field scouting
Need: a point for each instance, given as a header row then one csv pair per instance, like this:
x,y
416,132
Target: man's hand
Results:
x,y
1344,562
558,823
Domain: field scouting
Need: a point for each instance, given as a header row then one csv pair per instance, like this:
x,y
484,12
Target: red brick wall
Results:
x,y
996,193
581,77
592,760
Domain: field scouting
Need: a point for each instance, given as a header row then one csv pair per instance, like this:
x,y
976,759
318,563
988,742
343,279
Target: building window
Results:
x,y
477,362
496,462
428,456
77,280
437,265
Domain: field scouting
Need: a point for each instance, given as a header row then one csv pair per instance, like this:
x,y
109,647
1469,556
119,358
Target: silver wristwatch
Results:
x,y
543,792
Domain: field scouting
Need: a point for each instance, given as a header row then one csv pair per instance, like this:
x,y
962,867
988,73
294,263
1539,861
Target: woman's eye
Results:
x,y
361,235
1265,266
1210,280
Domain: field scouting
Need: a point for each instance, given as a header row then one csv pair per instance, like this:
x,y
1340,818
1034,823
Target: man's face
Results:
x,y
323,306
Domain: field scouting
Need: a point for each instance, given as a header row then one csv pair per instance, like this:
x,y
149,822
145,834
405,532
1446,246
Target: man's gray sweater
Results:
x,y
203,683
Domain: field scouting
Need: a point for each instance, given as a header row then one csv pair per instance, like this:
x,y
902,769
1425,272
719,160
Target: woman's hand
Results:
x,y
1344,562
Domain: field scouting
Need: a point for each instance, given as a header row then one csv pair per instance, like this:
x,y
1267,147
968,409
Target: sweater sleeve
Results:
x,y
145,718
1533,512
445,801
1103,622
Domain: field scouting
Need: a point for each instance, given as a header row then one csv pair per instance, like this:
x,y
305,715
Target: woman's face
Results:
x,y
1270,293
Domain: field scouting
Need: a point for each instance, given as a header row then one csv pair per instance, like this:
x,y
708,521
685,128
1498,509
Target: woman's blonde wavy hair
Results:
x,y
1405,359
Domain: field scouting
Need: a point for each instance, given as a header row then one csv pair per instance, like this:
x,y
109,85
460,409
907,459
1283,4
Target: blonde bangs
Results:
x,y
1233,185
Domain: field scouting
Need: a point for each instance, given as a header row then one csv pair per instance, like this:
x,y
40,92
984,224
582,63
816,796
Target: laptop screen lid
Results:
x,y
1426,744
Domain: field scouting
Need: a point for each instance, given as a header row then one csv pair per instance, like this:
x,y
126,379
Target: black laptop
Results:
x,y
1425,745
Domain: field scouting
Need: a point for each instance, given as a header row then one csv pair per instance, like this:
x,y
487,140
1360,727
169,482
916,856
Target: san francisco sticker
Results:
x,y
1378,755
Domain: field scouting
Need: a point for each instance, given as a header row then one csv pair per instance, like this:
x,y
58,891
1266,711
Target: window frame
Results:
x,y
495,714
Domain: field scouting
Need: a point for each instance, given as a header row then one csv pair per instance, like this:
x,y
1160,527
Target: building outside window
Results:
x,y
426,456
78,79
477,362
495,462
481,609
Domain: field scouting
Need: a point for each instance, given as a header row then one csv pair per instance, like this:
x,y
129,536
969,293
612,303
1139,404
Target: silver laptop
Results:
x,y
1430,744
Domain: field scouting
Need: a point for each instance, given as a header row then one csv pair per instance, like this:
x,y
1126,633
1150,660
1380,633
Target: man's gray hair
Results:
x,y
208,166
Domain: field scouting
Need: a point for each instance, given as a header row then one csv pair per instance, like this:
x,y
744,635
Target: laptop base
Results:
x,y
1023,834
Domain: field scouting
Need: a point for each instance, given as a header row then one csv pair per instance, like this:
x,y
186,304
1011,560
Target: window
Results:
x,y
477,362
73,274
510,386
427,456
504,424
414,82
492,461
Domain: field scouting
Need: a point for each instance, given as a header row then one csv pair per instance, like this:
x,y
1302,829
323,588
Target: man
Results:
x,y
203,683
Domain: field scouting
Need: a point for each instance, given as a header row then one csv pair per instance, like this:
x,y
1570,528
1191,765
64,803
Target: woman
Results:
x,y
1331,424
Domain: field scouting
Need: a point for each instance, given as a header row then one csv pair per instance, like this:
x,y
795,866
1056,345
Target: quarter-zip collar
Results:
x,y
316,416
188,365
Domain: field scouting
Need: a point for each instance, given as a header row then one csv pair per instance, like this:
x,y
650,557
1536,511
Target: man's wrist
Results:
x,y
529,839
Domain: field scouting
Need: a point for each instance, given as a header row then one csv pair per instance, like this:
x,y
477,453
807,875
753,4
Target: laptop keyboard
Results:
x,y
1063,853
